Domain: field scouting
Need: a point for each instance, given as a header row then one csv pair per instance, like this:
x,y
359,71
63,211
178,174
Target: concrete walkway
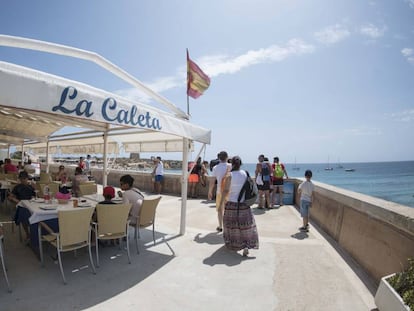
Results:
x,y
290,271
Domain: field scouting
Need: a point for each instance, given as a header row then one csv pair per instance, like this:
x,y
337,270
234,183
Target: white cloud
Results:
x,y
364,131
410,3
403,116
372,31
408,54
216,65
332,34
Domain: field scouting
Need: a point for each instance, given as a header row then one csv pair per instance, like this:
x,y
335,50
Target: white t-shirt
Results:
x,y
306,189
237,181
159,170
134,197
219,171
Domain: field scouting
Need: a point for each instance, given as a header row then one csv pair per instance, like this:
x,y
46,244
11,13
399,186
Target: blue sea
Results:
x,y
391,181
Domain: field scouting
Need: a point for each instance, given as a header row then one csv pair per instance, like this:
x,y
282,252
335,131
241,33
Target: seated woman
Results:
x,y
78,179
61,175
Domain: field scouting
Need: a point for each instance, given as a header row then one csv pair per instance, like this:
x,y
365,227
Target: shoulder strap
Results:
x,y
135,190
242,190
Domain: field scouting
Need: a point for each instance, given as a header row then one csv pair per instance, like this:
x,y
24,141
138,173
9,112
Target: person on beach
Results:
x,y
131,195
264,169
22,191
279,171
158,174
219,172
239,231
194,178
306,189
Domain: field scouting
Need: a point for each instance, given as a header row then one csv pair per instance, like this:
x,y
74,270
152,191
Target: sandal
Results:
x,y
245,252
219,229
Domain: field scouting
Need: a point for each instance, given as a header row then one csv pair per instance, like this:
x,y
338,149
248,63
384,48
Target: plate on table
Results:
x,y
84,204
39,200
48,207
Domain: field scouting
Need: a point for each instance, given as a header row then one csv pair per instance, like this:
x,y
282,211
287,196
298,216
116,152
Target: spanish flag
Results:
x,y
197,80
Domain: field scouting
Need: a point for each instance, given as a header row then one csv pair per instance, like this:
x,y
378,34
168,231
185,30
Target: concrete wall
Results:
x,y
378,234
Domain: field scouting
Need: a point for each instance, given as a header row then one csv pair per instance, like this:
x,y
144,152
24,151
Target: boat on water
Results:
x,y
295,167
328,168
349,170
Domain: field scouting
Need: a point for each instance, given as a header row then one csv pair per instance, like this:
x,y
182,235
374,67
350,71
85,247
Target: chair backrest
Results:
x,y
11,176
53,188
2,176
74,225
45,177
147,212
87,188
112,218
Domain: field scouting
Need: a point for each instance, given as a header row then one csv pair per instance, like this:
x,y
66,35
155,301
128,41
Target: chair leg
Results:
x,y
153,232
91,259
39,234
4,266
127,244
61,266
96,249
136,233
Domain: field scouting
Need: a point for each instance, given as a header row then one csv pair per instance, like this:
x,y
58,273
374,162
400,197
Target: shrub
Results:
x,y
403,283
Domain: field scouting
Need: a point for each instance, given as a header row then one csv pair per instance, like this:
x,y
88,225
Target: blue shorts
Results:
x,y
158,178
304,208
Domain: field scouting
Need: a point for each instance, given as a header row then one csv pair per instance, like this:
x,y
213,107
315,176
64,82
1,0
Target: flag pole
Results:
x,y
188,81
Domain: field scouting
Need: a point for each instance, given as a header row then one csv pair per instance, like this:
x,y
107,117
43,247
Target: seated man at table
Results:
x,y
22,191
77,180
131,195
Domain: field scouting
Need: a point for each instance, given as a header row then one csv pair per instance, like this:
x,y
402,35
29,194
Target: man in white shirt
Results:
x,y
131,195
219,171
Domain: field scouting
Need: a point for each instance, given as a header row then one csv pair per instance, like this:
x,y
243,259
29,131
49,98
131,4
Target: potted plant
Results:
x,y
396,291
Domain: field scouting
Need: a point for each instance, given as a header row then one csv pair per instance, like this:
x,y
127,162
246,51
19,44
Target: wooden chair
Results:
x,y
112,223
146,218
53,188
2,259
87,188
74,233
12,176
45,178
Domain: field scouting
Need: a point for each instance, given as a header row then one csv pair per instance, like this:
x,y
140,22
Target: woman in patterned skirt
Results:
x,y
239,226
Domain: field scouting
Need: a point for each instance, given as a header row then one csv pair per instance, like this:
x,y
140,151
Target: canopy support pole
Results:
x,y
105,159
184,186
47,155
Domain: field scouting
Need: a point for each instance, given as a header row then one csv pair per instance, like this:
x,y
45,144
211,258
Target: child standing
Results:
x,y
306,192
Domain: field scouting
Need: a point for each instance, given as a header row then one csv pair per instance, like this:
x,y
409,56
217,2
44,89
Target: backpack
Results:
x,y
278,172
265,172
249,190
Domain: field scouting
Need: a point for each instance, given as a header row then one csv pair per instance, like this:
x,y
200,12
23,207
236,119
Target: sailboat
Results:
x,y
295,168
328,168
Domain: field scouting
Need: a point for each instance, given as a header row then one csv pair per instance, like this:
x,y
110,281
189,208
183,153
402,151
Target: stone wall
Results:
x,y
378,234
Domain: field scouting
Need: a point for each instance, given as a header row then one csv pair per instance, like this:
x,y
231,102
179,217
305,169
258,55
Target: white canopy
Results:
x,y
35,104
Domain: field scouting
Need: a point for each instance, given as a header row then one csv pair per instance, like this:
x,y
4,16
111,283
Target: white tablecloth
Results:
x,y
39,214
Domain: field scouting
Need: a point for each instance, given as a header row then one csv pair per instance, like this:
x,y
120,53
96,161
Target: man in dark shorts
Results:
x,y
279,172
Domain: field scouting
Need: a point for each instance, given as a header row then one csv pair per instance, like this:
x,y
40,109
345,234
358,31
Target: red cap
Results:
x,y
109,191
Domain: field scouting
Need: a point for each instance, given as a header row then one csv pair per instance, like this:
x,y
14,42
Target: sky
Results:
x,y
311,81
